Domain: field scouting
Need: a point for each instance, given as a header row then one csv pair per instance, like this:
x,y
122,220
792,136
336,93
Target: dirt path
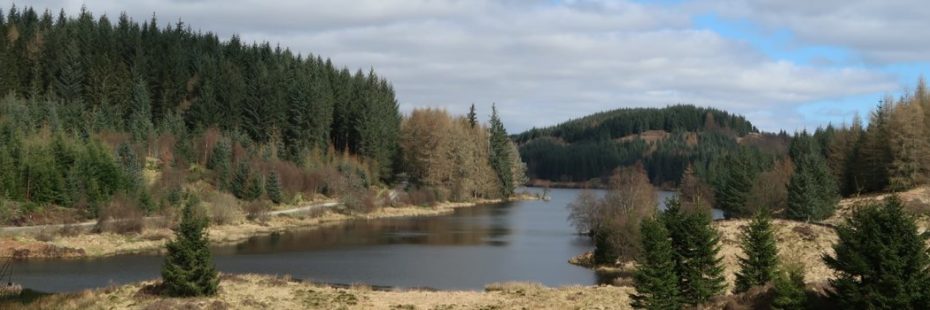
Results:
x,y
89,225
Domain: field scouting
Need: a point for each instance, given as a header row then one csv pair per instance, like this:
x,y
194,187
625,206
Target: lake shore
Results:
x,y
153,238
251,291
804,242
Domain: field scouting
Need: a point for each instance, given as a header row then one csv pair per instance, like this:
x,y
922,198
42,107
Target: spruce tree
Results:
x,y
697,248
881,260
239,186
219,162
188,269
500,154
472,116
789,287
733,188
655,280
812,192
760,254
273,188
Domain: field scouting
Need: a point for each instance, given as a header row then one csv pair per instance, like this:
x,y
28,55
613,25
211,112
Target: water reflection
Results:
x,y
518,241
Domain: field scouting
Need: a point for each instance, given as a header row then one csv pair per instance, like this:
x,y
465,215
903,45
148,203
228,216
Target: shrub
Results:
x,y
224,208
364,201
120,216
257,211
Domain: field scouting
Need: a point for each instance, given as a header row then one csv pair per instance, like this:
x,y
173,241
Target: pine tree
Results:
x,y
655,280
697,248
273,187
732,189
789,287
472,116
500,154
140,117
881,260
219,162
188,269
760,260
239,186
812,193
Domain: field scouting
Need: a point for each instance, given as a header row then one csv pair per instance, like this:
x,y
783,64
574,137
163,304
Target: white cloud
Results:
x,y
541,63
881,31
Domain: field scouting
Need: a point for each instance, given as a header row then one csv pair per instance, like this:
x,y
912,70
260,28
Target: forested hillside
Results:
x,y
94,109
666,141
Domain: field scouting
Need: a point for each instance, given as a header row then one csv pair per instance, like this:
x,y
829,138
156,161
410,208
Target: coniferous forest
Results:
x,y
96,110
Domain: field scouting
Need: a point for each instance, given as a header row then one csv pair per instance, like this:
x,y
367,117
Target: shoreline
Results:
x,y
254,291
152,239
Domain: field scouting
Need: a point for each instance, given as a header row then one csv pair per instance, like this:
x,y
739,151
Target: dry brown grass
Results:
x,y
267,292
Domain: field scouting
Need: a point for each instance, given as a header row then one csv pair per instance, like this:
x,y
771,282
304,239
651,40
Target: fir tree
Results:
x,y
760,260
789,287
732,189
188,269
500,154
239,186
655,280
273,188
472,116
812,193
881,260
219,162
697,249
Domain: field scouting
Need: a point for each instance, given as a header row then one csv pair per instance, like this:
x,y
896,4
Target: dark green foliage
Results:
x,y
655,279
500,154
697,247
219,162
273,188
789,288
881,260
623,122
732,188
812,191
472,116
188,268
240,184
665,160
759,262
137,78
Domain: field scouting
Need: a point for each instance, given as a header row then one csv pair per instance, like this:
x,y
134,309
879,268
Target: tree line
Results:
x,y
93,110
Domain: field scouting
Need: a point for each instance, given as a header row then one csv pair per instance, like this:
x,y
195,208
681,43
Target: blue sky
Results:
x,y
784,64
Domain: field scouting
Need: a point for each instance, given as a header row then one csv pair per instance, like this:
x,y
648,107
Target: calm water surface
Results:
x,y
516,241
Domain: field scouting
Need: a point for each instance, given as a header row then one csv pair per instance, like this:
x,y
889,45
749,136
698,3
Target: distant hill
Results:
x,y
621,123
666,140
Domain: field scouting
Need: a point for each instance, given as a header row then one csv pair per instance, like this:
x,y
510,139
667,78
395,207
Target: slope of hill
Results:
x,y
666,141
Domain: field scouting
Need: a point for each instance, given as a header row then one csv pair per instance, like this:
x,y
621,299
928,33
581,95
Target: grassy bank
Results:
x,y
269,292
797,241
61,244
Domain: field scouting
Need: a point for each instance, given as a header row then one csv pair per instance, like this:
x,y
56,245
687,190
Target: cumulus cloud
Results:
x,y
541,62
881,31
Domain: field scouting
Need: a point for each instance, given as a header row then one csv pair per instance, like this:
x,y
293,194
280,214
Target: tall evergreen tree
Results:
x,y
733,187
758,264
472,116
188,269
881,260
500,154
655,280
697,253
812,194
273,188
140,109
